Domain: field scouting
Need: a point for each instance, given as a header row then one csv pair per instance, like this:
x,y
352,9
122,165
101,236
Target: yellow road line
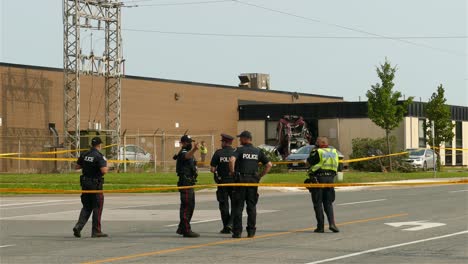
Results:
x,y
231,241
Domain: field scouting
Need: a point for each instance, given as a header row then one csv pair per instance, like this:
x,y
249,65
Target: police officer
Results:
x,y
244,166
94,166
220,168
323,162
187,171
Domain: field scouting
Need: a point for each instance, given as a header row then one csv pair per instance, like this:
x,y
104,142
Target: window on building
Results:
x,y
448,153
271,134
459,143
422,133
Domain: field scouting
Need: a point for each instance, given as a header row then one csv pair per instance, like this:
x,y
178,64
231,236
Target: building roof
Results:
x,y
331,110
32,67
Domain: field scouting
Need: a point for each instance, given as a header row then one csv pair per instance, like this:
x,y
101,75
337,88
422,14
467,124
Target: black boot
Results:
x,y
226,230
319,230
333,228
191,234
76,232
100,234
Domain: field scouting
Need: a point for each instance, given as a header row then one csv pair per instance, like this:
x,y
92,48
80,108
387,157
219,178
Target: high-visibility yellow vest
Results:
x,y
203,150
328,160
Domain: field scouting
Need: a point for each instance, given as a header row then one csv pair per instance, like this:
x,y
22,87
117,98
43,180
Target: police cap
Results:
x,y
96,141
245,134
226,138
186,139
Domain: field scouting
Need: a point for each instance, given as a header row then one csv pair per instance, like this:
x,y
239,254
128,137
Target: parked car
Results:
x,y
299,158
422,158
135,153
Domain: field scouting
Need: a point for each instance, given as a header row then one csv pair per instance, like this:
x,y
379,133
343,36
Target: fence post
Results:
x,y
154,150
19,155
125,151
163,150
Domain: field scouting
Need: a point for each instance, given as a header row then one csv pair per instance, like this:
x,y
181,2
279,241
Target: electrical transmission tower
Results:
x,y
97,15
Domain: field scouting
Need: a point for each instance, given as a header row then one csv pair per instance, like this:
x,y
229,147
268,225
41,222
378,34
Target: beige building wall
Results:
x,y
350,128
256,127
465,142
411,132
329,128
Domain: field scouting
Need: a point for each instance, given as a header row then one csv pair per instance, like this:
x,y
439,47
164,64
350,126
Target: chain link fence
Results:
x,y
145,152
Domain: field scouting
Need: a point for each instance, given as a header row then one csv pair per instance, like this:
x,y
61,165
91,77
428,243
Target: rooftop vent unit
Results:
x,y
255,80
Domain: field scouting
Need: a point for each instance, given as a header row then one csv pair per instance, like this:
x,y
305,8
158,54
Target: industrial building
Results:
x,y
155,112
32,101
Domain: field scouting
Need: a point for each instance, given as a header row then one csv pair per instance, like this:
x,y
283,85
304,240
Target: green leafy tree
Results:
x,y
437,111
384,109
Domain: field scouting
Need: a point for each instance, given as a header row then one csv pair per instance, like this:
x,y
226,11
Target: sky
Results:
x,y
322,47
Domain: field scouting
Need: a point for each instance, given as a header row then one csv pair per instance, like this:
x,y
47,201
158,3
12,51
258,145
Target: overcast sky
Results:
x,y
296,54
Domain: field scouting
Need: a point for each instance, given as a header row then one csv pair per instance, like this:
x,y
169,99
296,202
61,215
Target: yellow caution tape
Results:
x,y
8,154
64,159
270,185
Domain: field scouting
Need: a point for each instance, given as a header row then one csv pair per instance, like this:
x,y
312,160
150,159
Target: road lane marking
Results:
x,y
419,225
361,202
197,222
15,204
19,216
231,241
4,246
459,191
387,247
40,205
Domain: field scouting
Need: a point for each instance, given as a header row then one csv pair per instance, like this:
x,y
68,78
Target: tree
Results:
x,y
436,110
384,109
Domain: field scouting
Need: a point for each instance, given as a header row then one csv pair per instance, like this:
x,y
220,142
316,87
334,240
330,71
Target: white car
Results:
x,y
422,158
135,153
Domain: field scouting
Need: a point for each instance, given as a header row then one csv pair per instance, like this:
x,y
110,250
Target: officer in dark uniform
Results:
x,y
220,168
243,165
187,171
94,166
323,162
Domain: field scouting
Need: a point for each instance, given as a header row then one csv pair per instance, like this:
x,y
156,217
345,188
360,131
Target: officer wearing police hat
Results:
x,y
323,162
243,165
94,166
220,168
186,168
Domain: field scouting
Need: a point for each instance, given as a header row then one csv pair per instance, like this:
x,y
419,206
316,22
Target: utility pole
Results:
x,y
97,15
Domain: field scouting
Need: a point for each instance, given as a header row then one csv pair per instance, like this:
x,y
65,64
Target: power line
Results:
x,y
287,36
136,3
348,28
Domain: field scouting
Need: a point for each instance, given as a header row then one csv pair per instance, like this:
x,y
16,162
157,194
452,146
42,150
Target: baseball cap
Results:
x,y
226,137
96,141
186,139
245,134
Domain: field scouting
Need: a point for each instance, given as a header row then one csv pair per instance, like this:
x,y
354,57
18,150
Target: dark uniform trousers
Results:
x,y
223,195
323,199
187,206
93,203
241,195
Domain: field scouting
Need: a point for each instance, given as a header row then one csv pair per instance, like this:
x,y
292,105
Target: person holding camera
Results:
x,y
186,167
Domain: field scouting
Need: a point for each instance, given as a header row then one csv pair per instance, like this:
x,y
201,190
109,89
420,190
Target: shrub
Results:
x,y
368,147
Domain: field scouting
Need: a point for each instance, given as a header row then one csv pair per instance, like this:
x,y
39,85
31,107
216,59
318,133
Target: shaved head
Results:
x,y
322,141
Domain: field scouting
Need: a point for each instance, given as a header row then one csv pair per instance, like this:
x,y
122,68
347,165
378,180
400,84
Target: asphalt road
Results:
x,y
37,229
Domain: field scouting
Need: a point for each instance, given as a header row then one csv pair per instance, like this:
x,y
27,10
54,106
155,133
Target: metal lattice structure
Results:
x,y
83,15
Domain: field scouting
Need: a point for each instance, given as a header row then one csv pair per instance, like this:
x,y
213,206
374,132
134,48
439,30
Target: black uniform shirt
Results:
x,y
247,159
91,162
220,161
185,166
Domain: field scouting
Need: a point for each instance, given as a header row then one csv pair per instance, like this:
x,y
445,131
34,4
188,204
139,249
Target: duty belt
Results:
x,y
326,173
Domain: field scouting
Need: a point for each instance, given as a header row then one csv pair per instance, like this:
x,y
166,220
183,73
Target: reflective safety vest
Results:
x,y
328,160
203,150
